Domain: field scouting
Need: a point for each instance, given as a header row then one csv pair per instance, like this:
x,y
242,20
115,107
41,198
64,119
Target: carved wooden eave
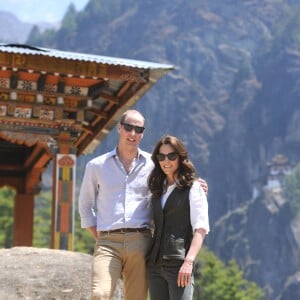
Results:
x,y
57,105
45,92
23,157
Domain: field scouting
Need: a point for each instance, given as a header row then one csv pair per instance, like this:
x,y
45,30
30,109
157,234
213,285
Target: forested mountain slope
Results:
x,y
233,99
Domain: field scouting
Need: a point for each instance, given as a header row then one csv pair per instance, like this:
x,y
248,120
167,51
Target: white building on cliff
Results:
x,y
279,167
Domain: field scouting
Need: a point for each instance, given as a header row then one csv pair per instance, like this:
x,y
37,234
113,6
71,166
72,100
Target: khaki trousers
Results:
x,y
119,255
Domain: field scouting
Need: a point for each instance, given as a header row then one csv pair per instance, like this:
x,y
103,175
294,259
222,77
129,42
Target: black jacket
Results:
x,y
173,232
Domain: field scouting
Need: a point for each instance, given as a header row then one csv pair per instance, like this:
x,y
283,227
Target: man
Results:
x,y
115,206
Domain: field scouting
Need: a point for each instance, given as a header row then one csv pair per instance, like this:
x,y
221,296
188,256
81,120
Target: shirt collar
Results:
x,y
141,153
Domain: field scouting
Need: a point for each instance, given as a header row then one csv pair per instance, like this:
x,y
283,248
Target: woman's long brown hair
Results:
x,y
186,169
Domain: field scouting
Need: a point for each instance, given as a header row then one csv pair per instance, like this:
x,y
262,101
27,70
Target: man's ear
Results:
x,y
119,127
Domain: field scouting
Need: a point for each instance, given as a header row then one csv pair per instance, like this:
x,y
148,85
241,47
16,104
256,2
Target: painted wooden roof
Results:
x,y
44,91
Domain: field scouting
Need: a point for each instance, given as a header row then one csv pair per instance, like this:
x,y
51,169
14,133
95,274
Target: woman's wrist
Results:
x,y
189,261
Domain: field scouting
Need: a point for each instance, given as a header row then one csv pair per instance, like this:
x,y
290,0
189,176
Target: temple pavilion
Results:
x,y
54,106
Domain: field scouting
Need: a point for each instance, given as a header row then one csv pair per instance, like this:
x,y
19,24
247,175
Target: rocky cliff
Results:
x,y
233,99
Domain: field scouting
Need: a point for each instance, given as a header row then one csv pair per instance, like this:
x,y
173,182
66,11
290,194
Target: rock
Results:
x,y
38,273
292,288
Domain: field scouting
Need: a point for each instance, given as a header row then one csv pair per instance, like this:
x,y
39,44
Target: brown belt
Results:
x,y
124,230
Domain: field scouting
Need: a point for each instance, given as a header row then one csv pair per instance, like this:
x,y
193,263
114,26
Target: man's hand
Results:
x,y
93,231
204,185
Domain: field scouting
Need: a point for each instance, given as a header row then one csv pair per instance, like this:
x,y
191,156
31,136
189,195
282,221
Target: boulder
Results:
x,y
39,273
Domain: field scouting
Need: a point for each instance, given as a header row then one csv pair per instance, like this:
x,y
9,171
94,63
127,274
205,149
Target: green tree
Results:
x,y
67,33
6,217
41,39
291,189
216,281
42,220
83,240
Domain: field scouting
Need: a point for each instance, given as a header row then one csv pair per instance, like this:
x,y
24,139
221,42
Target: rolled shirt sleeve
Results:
x,y
198,207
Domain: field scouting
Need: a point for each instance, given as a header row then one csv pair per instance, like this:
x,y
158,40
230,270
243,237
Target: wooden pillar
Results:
x,y
63,208
23,219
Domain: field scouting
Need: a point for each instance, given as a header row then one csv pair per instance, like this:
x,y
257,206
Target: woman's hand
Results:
x,y
185,273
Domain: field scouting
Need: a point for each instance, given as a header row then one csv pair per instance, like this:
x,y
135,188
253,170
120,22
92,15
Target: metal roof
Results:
x,y
49,92
30,50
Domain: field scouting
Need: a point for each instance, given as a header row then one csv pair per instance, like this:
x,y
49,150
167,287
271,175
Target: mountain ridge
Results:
x,y
236,64
233,100
13,30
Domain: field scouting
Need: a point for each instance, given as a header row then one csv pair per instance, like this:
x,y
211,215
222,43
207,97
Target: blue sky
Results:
x,y
35,11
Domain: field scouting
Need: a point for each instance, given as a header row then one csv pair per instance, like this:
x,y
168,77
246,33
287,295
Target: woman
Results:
x,y
180,213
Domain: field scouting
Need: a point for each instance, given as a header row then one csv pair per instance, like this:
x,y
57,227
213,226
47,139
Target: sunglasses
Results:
x,y
129,127
171,156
